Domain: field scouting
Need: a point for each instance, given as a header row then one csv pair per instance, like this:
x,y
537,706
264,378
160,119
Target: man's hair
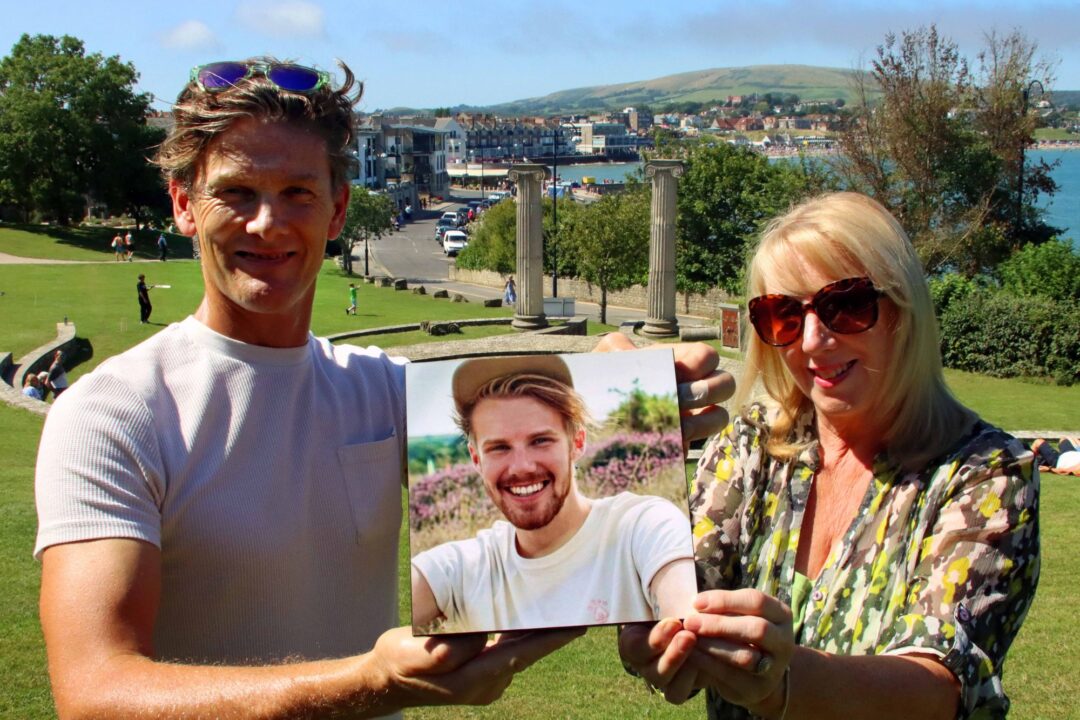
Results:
x,y
560,397
200,116
851,235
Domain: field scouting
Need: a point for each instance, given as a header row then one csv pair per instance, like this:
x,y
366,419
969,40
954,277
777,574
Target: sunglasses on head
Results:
x,y
220,76
846,306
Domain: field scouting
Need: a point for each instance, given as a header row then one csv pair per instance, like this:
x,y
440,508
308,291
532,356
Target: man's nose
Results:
x,y
267,217
522,462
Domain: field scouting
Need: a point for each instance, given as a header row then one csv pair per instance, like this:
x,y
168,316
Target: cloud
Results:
x,y
290,18
190,35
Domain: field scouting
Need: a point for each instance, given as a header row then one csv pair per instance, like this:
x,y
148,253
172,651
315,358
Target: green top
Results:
x,y
352,295
942,561
800,593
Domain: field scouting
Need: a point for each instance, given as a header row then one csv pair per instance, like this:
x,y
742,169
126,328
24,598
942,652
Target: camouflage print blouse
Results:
x,y
943,561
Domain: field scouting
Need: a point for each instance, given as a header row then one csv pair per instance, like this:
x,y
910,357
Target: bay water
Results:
x,y
1062,210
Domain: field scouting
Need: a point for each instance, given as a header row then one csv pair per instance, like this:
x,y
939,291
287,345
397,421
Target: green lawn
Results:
x,y
583,680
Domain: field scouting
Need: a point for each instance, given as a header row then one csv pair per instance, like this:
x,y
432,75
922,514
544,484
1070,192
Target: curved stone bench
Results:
x,y
35,361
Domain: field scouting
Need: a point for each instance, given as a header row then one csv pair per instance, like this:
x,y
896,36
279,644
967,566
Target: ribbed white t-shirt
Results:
x,y
269,478
600,576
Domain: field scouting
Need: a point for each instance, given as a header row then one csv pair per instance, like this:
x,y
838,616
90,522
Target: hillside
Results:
x,y
809,83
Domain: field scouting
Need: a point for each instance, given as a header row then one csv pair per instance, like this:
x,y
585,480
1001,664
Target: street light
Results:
x,y
1020,173
555,213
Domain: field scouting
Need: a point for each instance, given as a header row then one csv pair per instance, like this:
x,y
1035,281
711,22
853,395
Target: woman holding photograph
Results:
x,y
866,546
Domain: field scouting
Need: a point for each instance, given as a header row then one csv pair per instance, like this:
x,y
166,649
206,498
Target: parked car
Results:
x,y
454,241
450,215
442,226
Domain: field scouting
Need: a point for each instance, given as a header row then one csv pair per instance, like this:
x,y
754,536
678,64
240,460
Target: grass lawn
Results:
x,y
82,243
583,680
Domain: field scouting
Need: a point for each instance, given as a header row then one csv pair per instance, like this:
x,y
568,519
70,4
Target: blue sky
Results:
x,y
428,54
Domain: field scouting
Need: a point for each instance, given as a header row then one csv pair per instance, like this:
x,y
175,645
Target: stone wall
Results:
x,y
708,305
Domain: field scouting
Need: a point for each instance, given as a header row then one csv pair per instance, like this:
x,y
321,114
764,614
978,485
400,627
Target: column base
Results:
x,y
525,323
660,328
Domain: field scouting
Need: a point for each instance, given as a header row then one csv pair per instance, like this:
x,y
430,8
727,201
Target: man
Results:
x,y
118,246
560,558
58,380
129,245
143,290
219,506
163,247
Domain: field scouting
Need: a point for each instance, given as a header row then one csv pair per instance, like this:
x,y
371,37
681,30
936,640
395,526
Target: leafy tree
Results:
x,y
72,130
640,411
938,145
368,217
494,242
609,241
726,194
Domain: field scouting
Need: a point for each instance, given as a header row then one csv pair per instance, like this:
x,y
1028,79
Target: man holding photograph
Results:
x,y
559,559
218,506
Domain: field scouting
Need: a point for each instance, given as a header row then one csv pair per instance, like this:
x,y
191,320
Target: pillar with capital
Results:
x,y
661,321
529,309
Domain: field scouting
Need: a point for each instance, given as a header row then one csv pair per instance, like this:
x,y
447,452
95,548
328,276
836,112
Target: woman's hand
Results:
x,y
659,653
744,645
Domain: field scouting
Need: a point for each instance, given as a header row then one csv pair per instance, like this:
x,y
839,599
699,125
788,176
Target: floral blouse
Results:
x,y
941,561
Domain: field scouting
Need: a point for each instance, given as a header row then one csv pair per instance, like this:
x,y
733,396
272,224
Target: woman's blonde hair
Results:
x,y
850,235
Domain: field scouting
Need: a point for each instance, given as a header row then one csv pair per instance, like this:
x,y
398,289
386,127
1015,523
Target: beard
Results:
x,y
540,511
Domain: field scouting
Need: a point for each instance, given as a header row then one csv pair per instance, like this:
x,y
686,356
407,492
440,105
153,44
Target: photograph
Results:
x,y
546,491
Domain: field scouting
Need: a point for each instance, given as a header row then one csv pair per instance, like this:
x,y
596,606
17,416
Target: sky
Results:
x,y
598,377
431,54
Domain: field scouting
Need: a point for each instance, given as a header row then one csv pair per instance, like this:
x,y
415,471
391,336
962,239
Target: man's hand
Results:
x,y
701,386
458,669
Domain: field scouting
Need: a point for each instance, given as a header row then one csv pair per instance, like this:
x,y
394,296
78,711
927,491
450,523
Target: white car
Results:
x,y
453,241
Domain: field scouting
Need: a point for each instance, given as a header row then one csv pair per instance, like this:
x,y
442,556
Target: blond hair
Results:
x,y
850,235
199,117
560,397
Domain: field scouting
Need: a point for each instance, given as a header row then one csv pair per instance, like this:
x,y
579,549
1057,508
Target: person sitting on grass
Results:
x,y
1064,460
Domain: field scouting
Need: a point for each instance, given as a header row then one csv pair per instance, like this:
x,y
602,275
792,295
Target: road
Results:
x,y
412,253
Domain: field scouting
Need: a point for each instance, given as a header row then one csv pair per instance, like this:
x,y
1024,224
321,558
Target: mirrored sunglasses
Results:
x,y
846,306
220,76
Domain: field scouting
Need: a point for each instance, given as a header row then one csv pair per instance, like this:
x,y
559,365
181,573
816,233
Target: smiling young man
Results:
x,y
559,559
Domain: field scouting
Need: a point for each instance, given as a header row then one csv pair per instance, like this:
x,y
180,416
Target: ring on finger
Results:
x,y
764,664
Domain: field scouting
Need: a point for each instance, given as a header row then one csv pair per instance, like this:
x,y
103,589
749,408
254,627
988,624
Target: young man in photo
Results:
x,y
558,558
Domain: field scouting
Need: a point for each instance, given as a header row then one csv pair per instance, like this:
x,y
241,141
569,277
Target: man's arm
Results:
x,y
425,610
674,588
99,600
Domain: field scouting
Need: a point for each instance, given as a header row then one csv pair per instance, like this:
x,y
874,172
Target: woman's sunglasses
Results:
x,y
220,76
846,306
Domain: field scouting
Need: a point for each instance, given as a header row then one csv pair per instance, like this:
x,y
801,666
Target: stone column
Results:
x,y
661,321
529,309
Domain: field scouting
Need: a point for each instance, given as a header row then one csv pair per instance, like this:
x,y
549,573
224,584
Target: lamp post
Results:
x,y
555,213
1020,172
366,272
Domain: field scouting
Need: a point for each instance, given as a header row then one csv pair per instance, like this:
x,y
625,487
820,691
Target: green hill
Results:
x,y
809,83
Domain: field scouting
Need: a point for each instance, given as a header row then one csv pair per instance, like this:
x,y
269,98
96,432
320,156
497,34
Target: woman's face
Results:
x,y
842,374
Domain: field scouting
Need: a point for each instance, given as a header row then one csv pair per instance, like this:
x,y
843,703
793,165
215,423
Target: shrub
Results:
x,y
1051,269
999,334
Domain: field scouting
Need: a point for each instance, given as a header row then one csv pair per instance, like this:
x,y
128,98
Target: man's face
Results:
x,y
526,457
263,206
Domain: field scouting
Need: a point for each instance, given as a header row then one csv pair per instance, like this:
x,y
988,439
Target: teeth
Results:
x,y
836,373
523,490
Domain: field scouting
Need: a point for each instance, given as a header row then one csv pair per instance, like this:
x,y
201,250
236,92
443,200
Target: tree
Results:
x,y
938,145
609,241
493,245
368,216
726,194
72,129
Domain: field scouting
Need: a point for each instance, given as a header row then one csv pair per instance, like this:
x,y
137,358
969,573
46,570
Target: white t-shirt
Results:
x,y
600,576
269,478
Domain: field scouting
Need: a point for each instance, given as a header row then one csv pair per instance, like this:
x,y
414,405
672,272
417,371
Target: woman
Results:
x,y
867,546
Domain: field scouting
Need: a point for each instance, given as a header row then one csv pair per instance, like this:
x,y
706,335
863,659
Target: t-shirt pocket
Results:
x,y
372,474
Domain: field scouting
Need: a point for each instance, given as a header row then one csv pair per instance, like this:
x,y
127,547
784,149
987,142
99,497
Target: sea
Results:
x,y
1062,210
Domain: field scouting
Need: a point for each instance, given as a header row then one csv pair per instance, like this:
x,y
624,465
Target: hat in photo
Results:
x,y
473,374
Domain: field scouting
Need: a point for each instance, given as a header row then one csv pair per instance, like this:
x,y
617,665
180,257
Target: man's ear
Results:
x,y
579,443
474,455
341,206
183,208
